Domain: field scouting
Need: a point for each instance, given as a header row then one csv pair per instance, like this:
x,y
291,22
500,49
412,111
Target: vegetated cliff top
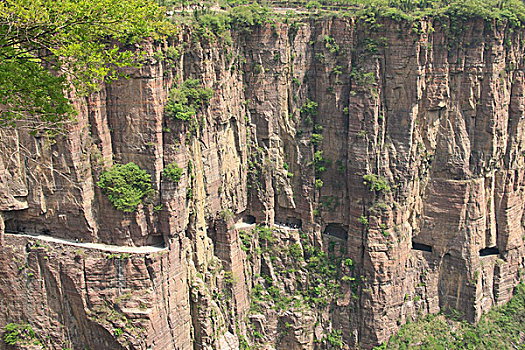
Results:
x,y
511,11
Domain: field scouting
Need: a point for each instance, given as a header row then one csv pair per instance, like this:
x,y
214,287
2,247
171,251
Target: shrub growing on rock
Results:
x,y
173,172
126,186
376,183
309,109
184,101
316,139
20,334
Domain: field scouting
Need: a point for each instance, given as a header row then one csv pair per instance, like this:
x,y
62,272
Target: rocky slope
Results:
x,y
396,149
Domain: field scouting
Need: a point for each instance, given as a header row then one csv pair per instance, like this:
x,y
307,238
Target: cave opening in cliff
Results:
x,y
422,247
294,222
336,230
249,219
156,241
489,251
289,222
9,226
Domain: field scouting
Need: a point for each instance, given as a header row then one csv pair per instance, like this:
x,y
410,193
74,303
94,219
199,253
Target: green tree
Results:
x,y
184,101
173,172
49,48
126,186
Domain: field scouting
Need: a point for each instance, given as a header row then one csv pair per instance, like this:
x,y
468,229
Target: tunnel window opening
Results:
x,y
336,230
489,251
422,247
156,241
249,219
289,222
10,226
295,222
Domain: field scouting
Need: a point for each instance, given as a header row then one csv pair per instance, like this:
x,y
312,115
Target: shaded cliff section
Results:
x,y
410,165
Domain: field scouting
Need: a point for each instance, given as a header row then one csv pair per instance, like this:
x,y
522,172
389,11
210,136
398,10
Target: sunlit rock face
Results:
x,y
398,193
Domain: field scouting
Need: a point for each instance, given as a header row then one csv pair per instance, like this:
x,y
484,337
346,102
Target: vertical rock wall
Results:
x,y
411,166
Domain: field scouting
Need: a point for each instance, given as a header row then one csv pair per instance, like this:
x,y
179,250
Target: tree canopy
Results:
x,y
50,46
126,185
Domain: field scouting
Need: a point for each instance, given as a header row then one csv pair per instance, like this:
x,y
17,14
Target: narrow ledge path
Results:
x,y
243,225
116,248
98,246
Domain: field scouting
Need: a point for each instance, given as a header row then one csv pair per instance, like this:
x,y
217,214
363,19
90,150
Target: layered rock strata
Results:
x,y
395,148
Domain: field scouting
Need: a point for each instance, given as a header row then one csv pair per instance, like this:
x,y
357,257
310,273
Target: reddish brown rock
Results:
x,y
438,122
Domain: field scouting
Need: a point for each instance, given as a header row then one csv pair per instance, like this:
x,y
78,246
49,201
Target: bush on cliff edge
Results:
x,y
184,101
126,186
173,172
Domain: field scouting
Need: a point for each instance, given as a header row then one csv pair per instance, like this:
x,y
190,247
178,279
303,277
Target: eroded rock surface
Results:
x,y
400,194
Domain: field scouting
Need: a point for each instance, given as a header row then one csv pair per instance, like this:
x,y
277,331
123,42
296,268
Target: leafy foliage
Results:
x,y
363,220
245,17
324,272
209,25
317,276
173,172
309,108
508,10
313,5
376,183
320,163
264,233
330,44
47,46
20,334
184,101
242,16
334,339
30,90
316,139
500,328
512,11
126,186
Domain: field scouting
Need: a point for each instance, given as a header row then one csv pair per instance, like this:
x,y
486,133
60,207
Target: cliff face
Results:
x,y
406,181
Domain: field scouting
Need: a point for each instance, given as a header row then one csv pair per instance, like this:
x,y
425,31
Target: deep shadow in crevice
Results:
x,y
291,222
156,241
489,251
249,219
295,222
336,230
422,247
